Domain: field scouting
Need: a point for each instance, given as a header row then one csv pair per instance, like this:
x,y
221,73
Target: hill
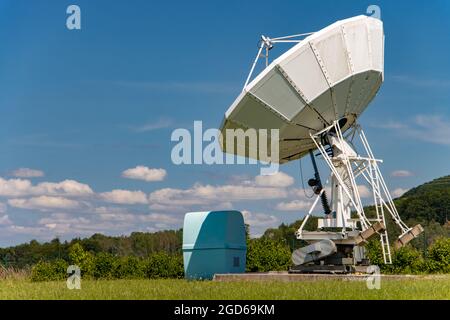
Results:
x,y
427,202
439,184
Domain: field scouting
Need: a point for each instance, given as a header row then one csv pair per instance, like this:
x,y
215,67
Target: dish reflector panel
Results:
x,y
331,74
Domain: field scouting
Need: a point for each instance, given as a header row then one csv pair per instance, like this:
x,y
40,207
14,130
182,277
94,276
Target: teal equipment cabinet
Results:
x,y
213,242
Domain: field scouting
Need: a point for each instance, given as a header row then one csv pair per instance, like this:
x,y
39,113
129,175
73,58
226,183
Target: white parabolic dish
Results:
x,y
330,75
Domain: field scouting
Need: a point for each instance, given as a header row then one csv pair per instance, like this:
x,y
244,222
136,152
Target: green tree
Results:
x,y
81,258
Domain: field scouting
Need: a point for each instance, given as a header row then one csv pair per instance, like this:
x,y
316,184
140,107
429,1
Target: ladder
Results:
x,y
384,241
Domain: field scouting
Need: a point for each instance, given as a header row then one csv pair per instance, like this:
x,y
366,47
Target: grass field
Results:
x,y
425,288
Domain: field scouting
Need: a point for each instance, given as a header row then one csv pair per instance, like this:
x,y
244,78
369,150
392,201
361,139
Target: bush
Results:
x,y
129,268
163,265
407,260
104,264
264,255
49,271
438,257
83,259
375,253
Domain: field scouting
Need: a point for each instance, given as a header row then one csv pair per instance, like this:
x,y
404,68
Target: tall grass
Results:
x,y
10,273
422,288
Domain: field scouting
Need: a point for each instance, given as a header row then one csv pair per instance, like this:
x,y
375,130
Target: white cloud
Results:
x,y
259,222
138,218
398,192
4,220
421,82
124,197
278,179
15,187
390,124
44,203
67,224
221,197
65,218
2,207
237,193
107,223
66,188
27,173
259,219
168,207
300,193
110,210
23,187
159,218
364,192
207,194
108,220
428,128
431,128
221,206
295,205
145,173
30,231
122,217
159,124
401,173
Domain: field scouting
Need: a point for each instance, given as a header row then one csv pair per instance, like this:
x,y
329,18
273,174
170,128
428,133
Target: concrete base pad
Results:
x,y
289,277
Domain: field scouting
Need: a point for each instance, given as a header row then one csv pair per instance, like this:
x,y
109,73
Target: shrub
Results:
x,y
375,252
83,259
128,268
163,265
407,260
264,255
438,257
104,264
49,271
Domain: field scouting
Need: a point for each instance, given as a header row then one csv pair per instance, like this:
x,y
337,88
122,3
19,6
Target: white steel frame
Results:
x,y
359,166
266,44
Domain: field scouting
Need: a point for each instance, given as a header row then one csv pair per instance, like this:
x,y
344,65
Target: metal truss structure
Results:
x,y
347,168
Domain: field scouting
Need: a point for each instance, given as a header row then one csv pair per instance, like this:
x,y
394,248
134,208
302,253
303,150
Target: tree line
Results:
x,y
152,255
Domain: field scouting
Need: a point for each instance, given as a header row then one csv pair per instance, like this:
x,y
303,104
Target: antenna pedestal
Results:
x,y
348,226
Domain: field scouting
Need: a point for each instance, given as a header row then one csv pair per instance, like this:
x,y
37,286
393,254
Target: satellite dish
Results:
x,y
313,94
330,75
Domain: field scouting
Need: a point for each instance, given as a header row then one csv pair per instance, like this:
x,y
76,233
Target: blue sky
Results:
x,y
80,107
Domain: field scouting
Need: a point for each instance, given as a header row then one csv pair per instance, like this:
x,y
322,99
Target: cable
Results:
x,y
303,182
